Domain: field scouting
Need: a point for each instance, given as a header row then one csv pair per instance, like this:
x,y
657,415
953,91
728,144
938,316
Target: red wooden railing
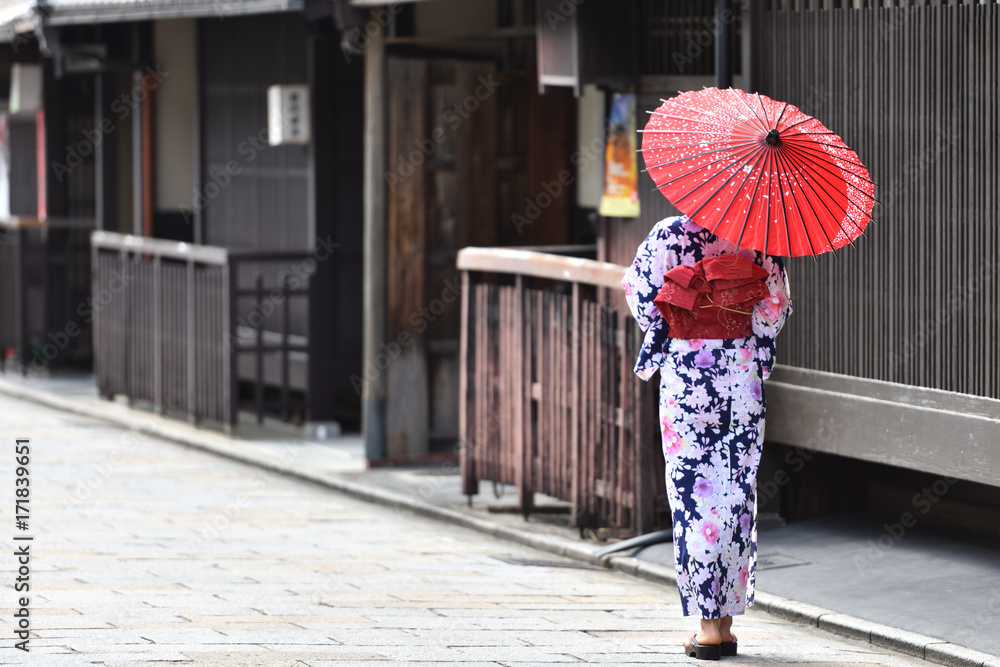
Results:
x,y
549,402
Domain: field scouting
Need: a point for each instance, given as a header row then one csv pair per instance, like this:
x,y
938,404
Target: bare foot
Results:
x,y
725,625
708,634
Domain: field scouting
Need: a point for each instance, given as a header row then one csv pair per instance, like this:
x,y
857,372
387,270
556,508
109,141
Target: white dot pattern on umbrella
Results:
x,y
708,152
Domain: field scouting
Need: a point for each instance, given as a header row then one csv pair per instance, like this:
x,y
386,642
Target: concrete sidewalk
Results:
x,y
433,492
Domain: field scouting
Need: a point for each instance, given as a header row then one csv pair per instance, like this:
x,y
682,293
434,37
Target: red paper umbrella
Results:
x,y
757,172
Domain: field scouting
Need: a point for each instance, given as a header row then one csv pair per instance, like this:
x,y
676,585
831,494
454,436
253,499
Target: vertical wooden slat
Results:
x,y
575,378
470,485
912,89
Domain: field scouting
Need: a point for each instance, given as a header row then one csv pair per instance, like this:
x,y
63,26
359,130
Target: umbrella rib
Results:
x,y
764,128
816,170
804,120
781,115
691,157
742,185
819,193
767,159
814,147
817,158
695,101
719,189
835,175
696,132
715,109
770,192
798,207
714,119
791,174
806,167
784,208
735,93
733,199
694,171
821,156
763,110
756,185
672,146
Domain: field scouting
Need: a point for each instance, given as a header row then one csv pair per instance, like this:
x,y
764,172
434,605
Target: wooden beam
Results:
x,y
541,265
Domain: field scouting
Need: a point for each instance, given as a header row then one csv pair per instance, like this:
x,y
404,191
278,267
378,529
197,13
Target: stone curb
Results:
x,y
902,641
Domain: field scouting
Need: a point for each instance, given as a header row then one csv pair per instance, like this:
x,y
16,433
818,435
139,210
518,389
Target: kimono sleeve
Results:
x,y
770,314
644,278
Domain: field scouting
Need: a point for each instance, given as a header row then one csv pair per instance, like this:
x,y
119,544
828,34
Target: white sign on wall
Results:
x,y
25,88
288,115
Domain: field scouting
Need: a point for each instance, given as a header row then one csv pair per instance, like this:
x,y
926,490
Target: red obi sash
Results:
x,y
712,299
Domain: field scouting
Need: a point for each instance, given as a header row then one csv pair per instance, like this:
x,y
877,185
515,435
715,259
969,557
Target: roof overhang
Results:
x,y
24,16
71,12
17,17
380,3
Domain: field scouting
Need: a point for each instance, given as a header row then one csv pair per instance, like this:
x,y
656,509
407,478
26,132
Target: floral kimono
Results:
x,y
711,416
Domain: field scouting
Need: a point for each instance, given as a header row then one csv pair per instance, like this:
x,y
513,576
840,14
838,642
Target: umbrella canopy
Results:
x,y
757,172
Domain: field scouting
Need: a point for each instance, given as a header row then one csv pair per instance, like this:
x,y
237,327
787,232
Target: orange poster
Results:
x,y
621,166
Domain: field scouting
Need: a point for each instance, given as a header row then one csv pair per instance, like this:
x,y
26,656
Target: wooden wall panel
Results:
x,y
266,204
407,376
467,146
913,90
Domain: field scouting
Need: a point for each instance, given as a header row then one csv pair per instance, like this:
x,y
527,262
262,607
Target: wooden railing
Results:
x,y
548,399
44,285
172,322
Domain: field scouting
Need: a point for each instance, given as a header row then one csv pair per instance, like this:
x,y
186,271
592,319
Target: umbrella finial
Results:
x,y
772,137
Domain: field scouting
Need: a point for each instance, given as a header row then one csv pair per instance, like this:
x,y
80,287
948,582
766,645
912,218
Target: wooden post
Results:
x,y
525,488
374,288
192,403
470,486
229,353
158,336
138,189
574,429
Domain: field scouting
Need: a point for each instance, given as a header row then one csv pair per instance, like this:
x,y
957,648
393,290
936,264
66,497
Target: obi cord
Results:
x,y
710,312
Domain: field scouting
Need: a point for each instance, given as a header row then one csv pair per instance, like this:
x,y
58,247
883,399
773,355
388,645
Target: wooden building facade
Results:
x,y
156,129
888,370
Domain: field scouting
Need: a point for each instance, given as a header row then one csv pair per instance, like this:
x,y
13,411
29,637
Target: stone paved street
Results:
x,y
147,552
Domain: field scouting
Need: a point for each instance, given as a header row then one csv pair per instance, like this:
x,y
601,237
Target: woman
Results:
x,y
711,408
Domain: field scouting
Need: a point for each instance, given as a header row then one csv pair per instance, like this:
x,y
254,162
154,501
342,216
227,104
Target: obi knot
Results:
x,y
714,298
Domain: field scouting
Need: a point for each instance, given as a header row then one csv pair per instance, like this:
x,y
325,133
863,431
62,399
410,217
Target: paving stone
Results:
x,y
168,657
301,575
